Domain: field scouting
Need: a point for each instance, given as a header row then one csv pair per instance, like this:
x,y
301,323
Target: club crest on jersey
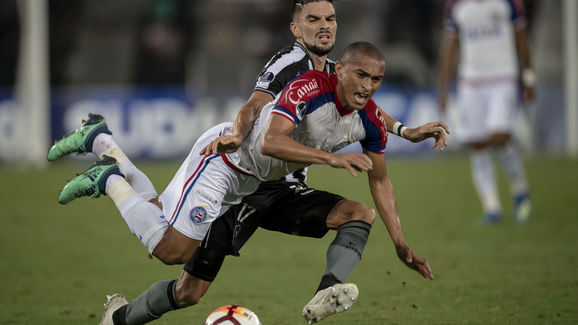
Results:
x,y
299,88
265,79
198,214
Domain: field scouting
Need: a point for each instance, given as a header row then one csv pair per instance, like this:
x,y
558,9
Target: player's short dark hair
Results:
x,y
364,48
298,6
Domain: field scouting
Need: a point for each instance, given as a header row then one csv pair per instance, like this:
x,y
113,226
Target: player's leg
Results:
x,y
191,207
145,220
94,136
472,129
353,221
503,108
296,209
519,189
484,178
159,299
198,274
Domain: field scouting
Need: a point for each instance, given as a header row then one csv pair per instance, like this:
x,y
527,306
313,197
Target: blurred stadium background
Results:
x,y
162,71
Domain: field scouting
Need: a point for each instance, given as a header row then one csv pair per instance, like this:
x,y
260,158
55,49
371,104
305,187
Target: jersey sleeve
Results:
x,y
375,128
280,70
296,98
518,15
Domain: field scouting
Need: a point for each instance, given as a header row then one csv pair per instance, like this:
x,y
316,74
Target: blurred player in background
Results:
x,y
493,46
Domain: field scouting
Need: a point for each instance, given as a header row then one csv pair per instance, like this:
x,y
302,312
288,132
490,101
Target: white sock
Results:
x,y
104,144
510,159
101,143
144,219
484,177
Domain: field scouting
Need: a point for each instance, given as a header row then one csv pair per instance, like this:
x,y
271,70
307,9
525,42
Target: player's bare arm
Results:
x,y
384,199
278,144
436,130
448,55
243,125
528,75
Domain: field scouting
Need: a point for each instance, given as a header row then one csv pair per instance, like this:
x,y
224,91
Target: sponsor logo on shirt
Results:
x,y
346,141
383,126
299,88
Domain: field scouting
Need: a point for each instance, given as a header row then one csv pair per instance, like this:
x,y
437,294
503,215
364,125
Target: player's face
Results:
x,y
358,80
315,27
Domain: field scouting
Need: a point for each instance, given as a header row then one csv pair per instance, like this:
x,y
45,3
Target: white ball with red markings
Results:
x,y
232,315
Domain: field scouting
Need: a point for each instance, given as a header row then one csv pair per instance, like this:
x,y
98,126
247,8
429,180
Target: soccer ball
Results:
x,y
232,315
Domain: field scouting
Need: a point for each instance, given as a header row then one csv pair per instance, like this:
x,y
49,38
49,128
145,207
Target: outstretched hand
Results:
x,y
436,130
412,260
222,144
352,162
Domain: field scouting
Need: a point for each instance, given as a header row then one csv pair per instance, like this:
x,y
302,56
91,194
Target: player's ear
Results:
x,y
294,29
338,67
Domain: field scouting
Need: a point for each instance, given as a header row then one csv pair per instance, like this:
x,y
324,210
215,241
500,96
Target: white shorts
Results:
x,y
203,189
485,109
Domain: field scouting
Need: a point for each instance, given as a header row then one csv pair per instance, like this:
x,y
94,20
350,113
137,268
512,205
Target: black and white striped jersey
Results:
x,y
289,63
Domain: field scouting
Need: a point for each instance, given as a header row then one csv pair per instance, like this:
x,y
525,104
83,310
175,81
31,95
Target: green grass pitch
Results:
x,y
58,262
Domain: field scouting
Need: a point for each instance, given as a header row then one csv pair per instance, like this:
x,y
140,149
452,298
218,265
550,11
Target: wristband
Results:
x,y
528,77
398,128
401,130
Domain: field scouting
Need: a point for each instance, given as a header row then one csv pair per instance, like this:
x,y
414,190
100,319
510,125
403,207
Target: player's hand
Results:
x,y
352,162
412,260
222,144
529,92
436,130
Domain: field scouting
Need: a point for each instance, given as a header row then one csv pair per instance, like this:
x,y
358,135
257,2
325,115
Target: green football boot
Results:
x,y
79,141
92,182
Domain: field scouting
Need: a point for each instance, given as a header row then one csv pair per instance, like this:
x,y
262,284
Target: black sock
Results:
x,y
119,316
327,281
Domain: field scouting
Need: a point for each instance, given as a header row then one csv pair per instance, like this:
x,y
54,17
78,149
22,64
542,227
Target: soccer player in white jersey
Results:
x,y
493,46
314,116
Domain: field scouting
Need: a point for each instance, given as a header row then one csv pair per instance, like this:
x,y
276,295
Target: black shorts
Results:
x,y
287,207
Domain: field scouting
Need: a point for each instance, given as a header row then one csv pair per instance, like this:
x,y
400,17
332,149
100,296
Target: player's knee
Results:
x,y
351,211
172,250
173,256
363,213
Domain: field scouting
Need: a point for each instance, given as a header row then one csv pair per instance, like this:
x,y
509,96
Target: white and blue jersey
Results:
x,y
286,65
487,42
205,187
311,102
